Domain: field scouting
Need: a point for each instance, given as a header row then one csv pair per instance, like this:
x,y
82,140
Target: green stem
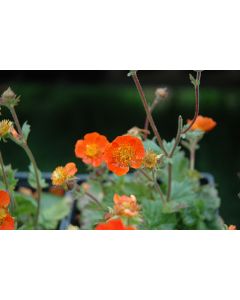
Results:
x,y
192,159
153,179
177,141
6,182
169,182
29,153
3,172
94,199
39,188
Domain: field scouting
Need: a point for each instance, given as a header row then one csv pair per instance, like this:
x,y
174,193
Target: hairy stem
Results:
x,y
148,112
192,158
92,197
152,107
6,182
39,188
198,78
177,141
3,172
153,179
31,157
169,182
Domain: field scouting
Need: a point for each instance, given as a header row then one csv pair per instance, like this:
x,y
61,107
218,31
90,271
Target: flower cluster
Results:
x,y
6,220
124,152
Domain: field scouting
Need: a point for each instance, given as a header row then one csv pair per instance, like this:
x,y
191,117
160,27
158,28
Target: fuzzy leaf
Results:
x,y
32,178
26,128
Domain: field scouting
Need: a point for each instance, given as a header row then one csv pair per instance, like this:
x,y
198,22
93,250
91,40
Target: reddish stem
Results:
x,y
198,77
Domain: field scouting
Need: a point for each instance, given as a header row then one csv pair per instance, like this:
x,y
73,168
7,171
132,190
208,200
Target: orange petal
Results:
x,y
4,199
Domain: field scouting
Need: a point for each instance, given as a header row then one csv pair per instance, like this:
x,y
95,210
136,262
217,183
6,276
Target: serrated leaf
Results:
x,y
53,209
151,145
32,178
10,174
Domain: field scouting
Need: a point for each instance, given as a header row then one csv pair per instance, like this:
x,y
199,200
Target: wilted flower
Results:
x,y
91,148
138,132
5,127
150,160
124,152
61,175
203,124
125,206
114,224
162,93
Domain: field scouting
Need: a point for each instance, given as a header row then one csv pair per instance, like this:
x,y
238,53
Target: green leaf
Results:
x,y
151,145
192,79
10,174
53,209
26,128
24,211
32,178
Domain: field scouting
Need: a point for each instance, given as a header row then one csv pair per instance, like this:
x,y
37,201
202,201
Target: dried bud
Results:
x,y
162,93
9,98
150,160
138,132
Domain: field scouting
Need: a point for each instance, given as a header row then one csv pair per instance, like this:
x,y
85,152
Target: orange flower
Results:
x,y
203,124
7,223
124,152
114,224
232,227
6,220
91,148
125,206
4,199
62,174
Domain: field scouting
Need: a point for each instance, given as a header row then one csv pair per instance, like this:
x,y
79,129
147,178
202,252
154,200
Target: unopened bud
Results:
x,y
9,98
162,93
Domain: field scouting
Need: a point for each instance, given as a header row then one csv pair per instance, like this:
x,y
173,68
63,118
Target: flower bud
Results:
x,y
162,93
9,98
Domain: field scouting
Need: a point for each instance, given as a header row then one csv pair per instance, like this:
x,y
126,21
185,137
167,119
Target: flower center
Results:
x,y
3,213
124,154
5,127
92,150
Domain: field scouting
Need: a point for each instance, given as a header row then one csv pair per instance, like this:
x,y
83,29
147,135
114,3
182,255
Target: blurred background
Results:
x,y
62,106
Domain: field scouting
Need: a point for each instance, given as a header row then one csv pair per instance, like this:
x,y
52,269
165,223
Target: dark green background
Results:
x,y
62,106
